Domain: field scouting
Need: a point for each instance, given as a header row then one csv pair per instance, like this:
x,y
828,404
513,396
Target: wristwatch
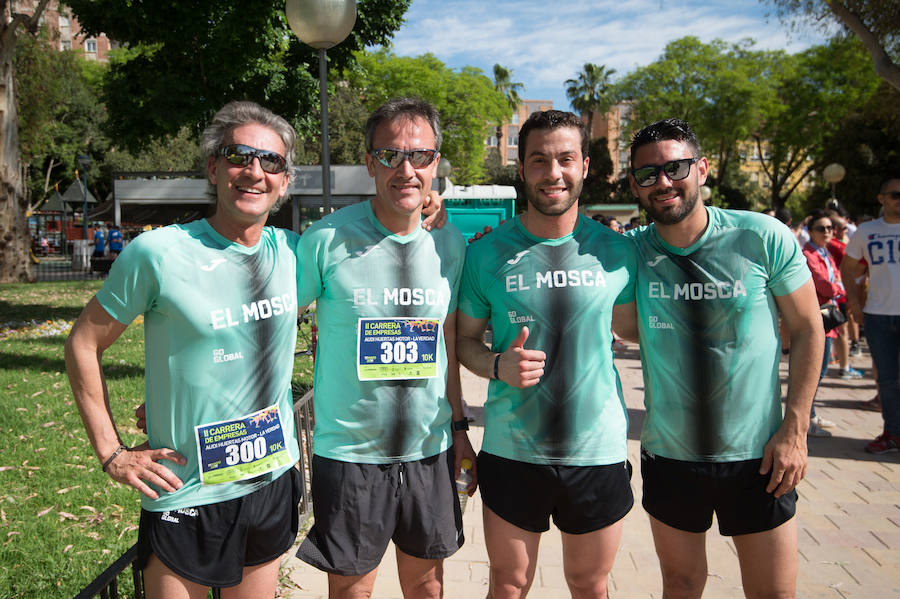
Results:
x,y
459,425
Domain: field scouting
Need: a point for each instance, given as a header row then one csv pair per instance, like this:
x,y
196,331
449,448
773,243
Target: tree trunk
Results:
x,y
14,238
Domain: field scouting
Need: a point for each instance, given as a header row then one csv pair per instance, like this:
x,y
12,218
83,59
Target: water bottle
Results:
x,y
463,482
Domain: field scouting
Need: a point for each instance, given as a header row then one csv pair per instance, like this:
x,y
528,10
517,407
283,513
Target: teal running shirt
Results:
x,y
708,327
381,364
220,325
564,291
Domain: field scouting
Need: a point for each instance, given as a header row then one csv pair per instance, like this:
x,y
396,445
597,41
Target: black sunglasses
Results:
x,y
894,195
394,157
241,155
823,228
675,170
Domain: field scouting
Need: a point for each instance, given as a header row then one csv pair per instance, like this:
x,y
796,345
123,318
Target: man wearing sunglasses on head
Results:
x,y
390,431
877,243
218,298
710,286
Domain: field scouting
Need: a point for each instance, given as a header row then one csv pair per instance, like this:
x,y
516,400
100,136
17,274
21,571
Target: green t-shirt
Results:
x,y
220,325
381,364
563,290
708,326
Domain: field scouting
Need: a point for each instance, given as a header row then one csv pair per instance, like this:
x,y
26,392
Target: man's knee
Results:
x,y
683,584
587,586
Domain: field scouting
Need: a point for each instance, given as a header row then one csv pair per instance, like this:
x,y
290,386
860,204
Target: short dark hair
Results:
x,y
671,128
552,119
783,214
816,214
408,109
887,180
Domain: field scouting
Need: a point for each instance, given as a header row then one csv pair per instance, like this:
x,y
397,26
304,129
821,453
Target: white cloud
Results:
x,y
545,43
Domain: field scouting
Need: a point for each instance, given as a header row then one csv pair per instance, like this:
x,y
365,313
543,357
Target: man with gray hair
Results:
x,y
219,302
390,432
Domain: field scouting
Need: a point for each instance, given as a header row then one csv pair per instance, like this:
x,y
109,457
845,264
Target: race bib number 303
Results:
x,y
233,450
397,348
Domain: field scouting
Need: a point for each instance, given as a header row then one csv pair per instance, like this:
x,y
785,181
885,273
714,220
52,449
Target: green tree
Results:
x,y
597,187
14,241
875,22
59,113
184,60
720,89
510,89
591,91
814,93
466,100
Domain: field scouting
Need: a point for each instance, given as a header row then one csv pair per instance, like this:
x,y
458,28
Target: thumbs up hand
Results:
x,y
521,367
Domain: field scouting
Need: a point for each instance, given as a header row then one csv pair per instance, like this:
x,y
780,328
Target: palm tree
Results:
x,y
591,91
510,89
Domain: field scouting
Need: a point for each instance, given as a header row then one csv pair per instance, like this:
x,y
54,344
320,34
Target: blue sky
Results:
x,y
546,42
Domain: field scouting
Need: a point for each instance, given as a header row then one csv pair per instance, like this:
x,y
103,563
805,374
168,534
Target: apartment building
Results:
x,y
65,31
509,140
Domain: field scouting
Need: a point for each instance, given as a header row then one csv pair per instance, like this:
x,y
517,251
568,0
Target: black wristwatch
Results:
x,y
459,425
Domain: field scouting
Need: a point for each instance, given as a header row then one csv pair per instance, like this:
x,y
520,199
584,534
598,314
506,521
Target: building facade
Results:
x,y
65,31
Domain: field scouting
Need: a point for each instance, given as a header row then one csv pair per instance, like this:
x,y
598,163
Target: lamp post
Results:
x,y
834,174
444,168
322,24
705,193
84,161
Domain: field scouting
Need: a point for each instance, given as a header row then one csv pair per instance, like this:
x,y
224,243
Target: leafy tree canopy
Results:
x,y
184,60
466,100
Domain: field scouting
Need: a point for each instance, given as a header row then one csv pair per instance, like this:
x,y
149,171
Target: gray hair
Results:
x,y
407,109
236,114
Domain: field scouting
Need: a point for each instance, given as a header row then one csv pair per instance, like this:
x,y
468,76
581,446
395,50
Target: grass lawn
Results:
x,y
62,520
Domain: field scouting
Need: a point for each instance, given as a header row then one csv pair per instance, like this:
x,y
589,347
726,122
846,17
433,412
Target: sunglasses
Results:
x,y
241,155
894,195
393,157
823,228
675,170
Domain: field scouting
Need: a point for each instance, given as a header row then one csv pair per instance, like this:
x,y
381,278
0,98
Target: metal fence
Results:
x,y
106,585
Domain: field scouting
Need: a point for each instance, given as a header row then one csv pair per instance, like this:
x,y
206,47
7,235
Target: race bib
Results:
x,y
397,348
233,450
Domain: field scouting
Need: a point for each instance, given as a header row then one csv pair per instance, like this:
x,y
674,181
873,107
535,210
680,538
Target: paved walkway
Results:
x,y
848,516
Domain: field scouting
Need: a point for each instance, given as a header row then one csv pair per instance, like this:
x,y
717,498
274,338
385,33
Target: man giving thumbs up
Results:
x,y
555,424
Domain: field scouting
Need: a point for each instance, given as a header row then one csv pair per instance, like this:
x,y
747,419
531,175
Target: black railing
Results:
x,y
106,585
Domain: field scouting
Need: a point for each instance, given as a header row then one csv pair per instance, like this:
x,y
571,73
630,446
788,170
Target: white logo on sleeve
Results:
x,y
517,258
213,265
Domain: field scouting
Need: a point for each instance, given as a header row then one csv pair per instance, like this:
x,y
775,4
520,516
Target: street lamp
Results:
x,y
834,174
84,161
322,24
705,193
444,168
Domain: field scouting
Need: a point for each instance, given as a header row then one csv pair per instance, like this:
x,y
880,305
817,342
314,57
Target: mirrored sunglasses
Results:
x,y
675,170
241,155
394,157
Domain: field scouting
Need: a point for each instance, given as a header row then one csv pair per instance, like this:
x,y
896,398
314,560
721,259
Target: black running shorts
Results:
x,y
581,499
684,495
358,508
211,544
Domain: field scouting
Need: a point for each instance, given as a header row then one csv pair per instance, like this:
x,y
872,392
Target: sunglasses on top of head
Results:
x,y
394,157
241,155
675,170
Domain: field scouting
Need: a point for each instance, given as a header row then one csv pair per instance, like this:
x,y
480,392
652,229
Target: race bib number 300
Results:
x,y
397,348
233,450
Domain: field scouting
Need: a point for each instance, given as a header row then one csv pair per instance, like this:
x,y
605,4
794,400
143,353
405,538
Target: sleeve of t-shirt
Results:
x,y
472,300
787,265
856,245
134,280
310,257
630,248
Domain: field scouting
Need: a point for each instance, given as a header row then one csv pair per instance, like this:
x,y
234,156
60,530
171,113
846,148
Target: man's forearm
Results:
x,y
475,355
803,377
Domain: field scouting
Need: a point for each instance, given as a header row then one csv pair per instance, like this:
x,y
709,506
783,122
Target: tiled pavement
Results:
x,y
848,516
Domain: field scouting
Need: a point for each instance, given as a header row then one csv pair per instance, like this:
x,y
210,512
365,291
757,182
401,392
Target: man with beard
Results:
x,y
555,423
711,284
